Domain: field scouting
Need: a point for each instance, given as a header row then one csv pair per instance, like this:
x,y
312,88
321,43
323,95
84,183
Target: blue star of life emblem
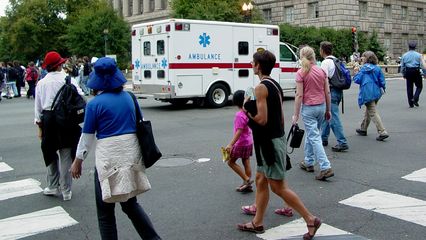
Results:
x,y
204,40
164,63
137,64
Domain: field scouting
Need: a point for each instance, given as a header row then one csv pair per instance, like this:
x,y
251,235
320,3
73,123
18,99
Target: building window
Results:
x,y
141,7
363,9
420,14
404,38
388,11
289,14
313,11
243,48
404,13
151,5
388,42
163,4
267,14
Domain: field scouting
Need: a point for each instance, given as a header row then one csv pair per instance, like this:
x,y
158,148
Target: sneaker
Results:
x,y
325,143
324,174
50,191
382,137
303,166
339,148
67,195
361,132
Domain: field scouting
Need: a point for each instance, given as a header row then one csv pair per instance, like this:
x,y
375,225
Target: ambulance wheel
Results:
x,y
179,102
217,96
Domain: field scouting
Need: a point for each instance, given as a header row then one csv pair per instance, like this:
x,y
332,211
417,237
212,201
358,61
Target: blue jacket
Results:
x,y
370,79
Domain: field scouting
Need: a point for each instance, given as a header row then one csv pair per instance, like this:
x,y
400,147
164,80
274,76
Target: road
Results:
x,y
191,199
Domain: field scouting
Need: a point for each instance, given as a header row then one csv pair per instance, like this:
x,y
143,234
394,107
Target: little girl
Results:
x,y
241,145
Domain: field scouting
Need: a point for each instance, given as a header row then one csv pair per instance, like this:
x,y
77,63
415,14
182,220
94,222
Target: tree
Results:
x,y
216,10
374,46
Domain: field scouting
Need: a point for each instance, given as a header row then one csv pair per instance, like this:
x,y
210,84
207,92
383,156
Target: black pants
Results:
x,y
413,77
106,216
31,89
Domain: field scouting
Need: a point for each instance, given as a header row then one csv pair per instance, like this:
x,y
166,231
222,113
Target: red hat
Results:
x,y
52,60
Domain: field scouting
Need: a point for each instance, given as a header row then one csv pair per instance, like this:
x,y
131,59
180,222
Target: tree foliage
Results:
x,y
215,10
374,46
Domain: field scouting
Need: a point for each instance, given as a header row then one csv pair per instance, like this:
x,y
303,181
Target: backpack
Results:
x,y
341,78
75,72
34,74
68,106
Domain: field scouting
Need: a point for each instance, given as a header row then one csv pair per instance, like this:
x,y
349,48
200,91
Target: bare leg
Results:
x,y
237,169
262,198
247,167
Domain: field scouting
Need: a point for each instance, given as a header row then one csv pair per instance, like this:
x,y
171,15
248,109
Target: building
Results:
x,y
395,21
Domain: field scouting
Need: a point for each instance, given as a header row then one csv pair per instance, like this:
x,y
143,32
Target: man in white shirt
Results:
x,y
55,139
326,51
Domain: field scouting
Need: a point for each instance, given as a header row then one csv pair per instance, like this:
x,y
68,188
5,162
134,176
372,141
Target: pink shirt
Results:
x,y
313,85
241,122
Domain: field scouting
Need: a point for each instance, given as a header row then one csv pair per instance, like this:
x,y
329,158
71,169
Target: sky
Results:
x,y
3,4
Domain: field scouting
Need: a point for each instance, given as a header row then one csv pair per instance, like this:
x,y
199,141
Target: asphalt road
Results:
x,y
198,200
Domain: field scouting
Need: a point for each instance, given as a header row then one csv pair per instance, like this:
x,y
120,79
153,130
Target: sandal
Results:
x,y
249,210
316,225
246,184
288,212
250,227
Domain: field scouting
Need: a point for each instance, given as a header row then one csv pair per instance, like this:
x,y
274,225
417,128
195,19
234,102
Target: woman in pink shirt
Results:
x,y
313,96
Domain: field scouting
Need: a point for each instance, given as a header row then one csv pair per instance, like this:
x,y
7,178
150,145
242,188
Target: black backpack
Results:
x,y
68,106
341,78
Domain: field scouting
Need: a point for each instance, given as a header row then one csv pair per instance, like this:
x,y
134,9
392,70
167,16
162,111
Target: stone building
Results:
x,y
395,21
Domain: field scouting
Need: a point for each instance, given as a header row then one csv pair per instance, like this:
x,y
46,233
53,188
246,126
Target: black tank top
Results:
x,y
274,127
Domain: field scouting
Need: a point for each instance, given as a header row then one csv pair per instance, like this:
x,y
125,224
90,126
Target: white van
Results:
x,y
177,60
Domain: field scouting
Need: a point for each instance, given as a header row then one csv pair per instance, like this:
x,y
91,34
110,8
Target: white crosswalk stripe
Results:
x,y
19,188
35,223
4,167
418,176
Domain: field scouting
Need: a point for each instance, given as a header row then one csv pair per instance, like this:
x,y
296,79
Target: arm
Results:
x,y
297,101
75,83
327,100
358,78
261,117
381,77
237,136
83,148
38,108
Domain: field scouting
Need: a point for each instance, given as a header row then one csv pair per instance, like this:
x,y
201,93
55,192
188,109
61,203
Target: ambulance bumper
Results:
x,y
159,92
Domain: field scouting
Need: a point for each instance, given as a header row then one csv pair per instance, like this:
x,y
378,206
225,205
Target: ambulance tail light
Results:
x,y
168,28
182,26
133,32
272,31
132,66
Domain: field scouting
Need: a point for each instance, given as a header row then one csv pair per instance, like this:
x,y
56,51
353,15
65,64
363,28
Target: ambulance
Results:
x,y
177,60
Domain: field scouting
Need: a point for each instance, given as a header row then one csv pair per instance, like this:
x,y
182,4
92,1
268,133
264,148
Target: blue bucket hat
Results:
x,y
106,76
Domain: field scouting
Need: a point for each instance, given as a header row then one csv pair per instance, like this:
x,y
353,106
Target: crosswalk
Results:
x,y
401,207
32,223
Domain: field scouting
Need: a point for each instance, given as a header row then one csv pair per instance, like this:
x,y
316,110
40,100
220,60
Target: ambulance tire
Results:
x,y
217,96
179,102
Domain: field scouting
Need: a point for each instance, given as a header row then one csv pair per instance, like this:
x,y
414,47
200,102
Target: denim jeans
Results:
x,y
83,84
106,216
334,124
313,116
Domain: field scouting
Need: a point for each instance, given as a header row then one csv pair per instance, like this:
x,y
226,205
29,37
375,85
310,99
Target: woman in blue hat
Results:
x,y
120,172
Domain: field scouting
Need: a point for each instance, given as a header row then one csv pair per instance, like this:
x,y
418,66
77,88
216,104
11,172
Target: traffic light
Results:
x,y
354,39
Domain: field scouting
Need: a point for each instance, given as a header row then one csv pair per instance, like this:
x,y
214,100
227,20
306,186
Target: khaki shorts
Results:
x,y
277,170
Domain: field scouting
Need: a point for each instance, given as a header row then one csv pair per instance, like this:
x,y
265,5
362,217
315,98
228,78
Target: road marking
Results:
x,y
202,160
34,223
394,205
418,176
296,229
19,188
4,167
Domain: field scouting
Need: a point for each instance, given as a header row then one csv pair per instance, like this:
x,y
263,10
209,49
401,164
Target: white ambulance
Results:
x,y
178,60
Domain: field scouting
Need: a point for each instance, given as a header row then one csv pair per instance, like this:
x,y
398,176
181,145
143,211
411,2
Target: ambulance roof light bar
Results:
x,y
272,31
182,27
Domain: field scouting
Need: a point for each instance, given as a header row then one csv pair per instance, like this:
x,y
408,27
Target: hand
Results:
x,y
327,115
76,168
356,70
294,119
228,148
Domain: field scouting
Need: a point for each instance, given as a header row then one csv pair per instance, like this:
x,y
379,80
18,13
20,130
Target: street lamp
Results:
x,y
106,39
247,11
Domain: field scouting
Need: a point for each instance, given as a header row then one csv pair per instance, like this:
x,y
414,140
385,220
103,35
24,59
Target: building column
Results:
x,y
145,6
136,7
158,5
116,5
126,8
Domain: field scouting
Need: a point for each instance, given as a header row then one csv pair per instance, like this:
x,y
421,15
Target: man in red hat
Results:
x,y
58,175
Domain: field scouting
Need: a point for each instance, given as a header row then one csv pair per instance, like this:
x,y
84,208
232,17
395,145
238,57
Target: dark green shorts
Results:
x,y
277,170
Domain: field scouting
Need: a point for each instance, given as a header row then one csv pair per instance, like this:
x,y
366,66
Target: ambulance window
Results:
x,y
147,48
285,54
243,73
147,74
161,74
160,47
243,48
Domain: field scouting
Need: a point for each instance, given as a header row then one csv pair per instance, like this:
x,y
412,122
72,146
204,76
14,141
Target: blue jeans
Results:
x,y
313,116
334,124
106,216
83,84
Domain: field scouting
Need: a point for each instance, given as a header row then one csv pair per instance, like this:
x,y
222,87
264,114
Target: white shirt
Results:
x,y
46,90
328,66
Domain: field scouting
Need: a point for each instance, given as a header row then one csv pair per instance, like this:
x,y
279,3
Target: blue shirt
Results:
x,y
412,59
110,114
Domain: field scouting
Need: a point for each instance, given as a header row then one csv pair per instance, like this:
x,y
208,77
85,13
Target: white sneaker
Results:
x,y
67,195
50,191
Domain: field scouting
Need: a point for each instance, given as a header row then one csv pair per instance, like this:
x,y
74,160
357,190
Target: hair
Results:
x,y
370,57
326,47
238,98
266,61
31,64
16,64
86,59
307,55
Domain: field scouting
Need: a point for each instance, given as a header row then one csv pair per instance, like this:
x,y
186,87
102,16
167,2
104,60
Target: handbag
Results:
x,y
149,150
295,137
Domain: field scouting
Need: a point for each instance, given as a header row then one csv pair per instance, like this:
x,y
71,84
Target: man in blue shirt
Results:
x,y
411,63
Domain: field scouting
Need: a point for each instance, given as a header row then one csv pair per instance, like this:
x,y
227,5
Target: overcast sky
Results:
x,y
3,4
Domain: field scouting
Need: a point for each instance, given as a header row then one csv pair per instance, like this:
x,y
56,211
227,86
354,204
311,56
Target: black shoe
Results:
x,y
339,148
382,137
325,143
361,132
416,104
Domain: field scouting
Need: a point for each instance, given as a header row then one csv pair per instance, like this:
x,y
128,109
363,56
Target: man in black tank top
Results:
x,y
270,148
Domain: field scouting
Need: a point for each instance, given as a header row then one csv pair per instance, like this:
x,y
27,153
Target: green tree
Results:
x,y
216,10
375,46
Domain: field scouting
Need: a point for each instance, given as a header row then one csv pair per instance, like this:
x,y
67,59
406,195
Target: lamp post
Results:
x,y
247,11
106,39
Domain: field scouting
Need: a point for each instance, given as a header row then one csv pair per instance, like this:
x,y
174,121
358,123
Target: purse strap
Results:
x,y
137,109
